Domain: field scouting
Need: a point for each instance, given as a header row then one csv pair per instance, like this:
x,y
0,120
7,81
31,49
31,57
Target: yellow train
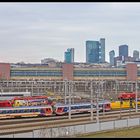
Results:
x,y
125,104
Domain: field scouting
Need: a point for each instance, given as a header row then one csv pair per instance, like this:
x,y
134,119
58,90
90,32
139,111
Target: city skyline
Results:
x,y
34,31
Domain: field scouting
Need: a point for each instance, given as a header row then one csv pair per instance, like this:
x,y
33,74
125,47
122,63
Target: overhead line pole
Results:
x,y
97,103
65,91
136,96
69,91
91,100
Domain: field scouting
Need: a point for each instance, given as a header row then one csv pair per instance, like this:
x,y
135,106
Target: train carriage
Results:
x,y
26,111
61,109
127,95
5,103
105,105
27,101
123,105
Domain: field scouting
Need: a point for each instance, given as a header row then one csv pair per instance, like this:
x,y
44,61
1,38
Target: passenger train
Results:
x,y
27,101
124,104
49,110
61,109
14,112
126,95
125,100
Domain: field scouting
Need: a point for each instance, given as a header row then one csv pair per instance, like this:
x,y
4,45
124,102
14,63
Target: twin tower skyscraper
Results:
x,y
95,52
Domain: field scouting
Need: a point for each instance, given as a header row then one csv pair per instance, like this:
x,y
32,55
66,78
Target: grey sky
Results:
x,y
30,32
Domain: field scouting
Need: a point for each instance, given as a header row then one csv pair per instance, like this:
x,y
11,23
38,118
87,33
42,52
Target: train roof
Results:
x,y
3,101
79,104
24,107
76,104
31,97
104,101
126,93
61,104
15,93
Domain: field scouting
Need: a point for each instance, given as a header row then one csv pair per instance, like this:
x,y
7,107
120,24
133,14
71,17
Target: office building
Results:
x,y
92,51
111,57
95,51
69,55
123,50
136,55
102,50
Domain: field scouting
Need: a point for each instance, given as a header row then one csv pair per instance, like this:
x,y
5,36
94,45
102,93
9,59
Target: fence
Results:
x,y
69,131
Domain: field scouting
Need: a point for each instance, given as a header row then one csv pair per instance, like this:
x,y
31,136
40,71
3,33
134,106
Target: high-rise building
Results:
x,y
92,51
102,50
123,50
136,55
111,57
69,55
95,51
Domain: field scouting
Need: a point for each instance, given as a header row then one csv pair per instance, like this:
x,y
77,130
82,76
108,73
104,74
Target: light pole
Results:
x,y
116,91
91,100
136,96
65,91
54,88
121,102
69,91
32,88
97,105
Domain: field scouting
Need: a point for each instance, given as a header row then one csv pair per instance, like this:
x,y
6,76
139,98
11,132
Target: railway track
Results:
x,y
54,117
29,124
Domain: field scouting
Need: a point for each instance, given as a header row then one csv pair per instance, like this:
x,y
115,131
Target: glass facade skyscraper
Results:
x,y
95,51
92,51
69,55
136,55
111,57
123,50
102,50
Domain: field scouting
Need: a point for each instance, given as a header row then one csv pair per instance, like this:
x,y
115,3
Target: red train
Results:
x,y
127,95
27,101
5,103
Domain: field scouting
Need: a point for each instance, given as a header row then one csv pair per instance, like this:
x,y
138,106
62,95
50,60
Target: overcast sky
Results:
x,y
30,32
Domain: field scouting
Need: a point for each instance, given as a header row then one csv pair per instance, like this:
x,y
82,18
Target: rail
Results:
x,y
24,125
